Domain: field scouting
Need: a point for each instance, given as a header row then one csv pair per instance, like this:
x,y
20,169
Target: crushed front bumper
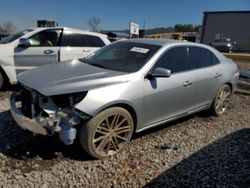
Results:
x,y
23,121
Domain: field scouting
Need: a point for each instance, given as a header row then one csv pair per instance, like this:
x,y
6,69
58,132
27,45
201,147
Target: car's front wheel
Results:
x,y
222,100
107,133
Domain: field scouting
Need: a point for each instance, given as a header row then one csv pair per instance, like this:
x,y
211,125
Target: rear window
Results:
x,y
78,40
201,57
94,41
75,40
214,59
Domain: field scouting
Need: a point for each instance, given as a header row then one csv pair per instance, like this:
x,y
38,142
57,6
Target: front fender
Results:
x,y
10,72
7,61
128,93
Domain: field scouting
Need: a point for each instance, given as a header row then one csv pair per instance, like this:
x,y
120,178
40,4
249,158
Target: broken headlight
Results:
x,y
68,100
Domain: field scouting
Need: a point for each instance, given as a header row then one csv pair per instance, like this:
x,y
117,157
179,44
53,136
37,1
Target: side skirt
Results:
x,y
205,107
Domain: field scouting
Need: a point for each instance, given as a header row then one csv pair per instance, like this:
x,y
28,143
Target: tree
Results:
x,y
7,28
186,28
198,28
93,23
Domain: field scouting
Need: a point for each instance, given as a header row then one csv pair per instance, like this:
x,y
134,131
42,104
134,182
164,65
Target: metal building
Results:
x,y
227,24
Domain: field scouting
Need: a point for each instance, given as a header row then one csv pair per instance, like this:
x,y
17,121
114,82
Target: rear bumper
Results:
x,y
23,121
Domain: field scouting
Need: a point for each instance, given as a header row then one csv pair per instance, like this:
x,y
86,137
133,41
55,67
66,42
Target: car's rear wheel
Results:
x,y
222,100
107,133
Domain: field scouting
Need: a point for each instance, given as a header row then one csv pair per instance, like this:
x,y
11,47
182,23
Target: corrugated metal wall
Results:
x,y
234,25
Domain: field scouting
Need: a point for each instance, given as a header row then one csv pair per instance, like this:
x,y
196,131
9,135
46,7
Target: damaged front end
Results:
x,y
48,115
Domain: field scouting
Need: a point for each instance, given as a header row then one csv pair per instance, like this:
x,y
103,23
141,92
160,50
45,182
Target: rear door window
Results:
x,y
201,57
74,40
214,59
94,41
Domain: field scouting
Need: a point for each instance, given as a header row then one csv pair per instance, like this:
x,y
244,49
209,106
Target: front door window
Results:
x,y
45,38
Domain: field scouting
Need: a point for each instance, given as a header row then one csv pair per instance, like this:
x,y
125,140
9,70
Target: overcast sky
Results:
x,y
114,14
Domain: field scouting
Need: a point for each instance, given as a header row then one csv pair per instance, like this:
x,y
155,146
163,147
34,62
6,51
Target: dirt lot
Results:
x,y
199,150
243,60
244,66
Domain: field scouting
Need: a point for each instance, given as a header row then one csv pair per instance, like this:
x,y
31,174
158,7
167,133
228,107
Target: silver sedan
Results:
x,y
123,88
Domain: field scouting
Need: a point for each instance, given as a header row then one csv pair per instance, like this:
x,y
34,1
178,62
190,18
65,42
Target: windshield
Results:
x,y
122,56
15,36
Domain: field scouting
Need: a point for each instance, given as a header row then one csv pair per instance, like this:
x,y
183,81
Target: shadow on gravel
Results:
x,y
24,149
9,87
204,114
224,163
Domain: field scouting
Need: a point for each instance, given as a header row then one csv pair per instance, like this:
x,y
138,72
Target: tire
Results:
x,y
1,80
107,133
221,101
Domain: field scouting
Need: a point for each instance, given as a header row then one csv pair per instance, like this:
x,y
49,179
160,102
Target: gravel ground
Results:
x,y
244,66
197,151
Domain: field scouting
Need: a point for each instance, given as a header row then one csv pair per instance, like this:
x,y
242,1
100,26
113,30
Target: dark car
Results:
x,y
223,44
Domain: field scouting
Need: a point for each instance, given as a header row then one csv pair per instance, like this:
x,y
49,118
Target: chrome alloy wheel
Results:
x,y
223,99
112,134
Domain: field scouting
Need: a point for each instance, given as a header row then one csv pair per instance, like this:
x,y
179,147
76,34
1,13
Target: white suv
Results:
x,y
40,46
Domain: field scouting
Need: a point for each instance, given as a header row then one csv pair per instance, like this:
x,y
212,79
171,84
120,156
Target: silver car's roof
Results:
x,y
164,42
158,42
169,42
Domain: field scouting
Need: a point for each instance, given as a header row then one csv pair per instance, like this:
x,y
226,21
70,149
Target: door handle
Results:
x,y
86,50
187,83
218,75
48,51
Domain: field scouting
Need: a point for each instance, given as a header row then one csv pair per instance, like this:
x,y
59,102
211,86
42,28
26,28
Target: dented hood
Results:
x,y
69,77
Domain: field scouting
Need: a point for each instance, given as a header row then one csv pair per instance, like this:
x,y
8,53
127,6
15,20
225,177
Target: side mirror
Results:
x,y
23,43
160,72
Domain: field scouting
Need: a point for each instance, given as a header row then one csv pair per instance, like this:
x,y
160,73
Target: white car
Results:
x,y
40,46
